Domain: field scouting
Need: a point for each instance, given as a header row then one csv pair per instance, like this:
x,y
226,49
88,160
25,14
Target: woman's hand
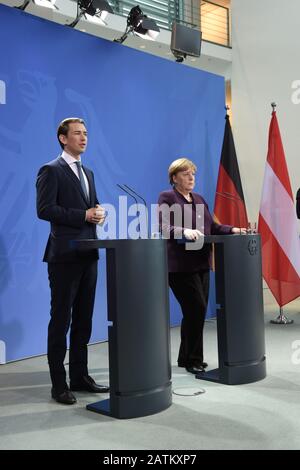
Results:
x,y
239,230
192,234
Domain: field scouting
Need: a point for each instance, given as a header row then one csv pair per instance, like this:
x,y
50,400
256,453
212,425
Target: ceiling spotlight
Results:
x,y
40,3
140,25
92,10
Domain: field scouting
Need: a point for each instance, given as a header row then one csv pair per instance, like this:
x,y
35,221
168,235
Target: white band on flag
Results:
x,y
278,210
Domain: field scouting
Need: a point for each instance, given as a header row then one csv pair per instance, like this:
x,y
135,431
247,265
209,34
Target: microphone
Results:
x,y
139,196
232,196
234,199
237,198
136,201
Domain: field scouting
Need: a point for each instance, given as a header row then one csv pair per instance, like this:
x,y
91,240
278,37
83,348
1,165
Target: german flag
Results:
x,y
230,208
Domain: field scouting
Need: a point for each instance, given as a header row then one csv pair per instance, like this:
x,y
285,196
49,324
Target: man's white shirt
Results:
x,y
71,161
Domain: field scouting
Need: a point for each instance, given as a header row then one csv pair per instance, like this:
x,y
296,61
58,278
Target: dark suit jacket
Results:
x,y
298,203
179,259
61,201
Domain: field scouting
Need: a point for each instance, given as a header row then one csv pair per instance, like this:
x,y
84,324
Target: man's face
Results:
x,y
76,140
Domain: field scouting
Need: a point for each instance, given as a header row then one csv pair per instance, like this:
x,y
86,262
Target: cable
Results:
x,y
192,393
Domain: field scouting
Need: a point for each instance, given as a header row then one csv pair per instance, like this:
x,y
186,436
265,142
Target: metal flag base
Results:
x,y
282,319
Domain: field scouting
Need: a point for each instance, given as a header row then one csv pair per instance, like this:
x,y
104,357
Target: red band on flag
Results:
x,y
280,244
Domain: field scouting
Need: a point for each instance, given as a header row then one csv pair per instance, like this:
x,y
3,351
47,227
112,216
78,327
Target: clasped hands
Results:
x,y
95,215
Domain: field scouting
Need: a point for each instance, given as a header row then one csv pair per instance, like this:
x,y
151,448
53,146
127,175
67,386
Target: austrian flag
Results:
x,y
277,224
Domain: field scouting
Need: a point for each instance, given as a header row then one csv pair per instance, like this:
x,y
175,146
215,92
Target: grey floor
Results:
x,y
261,415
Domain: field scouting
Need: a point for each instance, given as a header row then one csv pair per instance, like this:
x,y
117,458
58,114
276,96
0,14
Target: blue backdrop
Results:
x,y
141,111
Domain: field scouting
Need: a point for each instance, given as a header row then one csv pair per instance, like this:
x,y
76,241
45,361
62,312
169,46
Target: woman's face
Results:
x,y
184,180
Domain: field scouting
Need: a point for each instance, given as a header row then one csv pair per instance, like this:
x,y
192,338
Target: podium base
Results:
x,y
102,407
236,375
134,405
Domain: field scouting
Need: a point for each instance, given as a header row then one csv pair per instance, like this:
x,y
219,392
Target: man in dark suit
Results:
x,y
298,203
66,197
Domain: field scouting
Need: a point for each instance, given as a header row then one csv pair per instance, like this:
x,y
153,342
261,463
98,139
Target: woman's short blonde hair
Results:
x,y
181,164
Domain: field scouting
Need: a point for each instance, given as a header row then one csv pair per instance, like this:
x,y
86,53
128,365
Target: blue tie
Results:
x,y
82,182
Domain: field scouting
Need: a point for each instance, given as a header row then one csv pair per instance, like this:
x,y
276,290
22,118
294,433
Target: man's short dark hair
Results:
x,y
63,127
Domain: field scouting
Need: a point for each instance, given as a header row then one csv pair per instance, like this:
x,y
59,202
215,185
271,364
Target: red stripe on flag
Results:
x,y
278,272
276,156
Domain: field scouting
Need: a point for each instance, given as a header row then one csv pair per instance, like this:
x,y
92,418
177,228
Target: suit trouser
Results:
x,y
73,287
191,291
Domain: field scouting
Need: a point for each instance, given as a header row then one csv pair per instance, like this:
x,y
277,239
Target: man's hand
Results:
x,y
95,215
101,213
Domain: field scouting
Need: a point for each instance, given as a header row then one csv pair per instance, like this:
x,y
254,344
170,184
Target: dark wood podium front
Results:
x,y
139,336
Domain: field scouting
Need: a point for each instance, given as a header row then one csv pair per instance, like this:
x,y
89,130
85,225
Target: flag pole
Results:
x,y
274,106
281,319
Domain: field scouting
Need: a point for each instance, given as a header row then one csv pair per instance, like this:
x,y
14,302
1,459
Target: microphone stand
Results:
x,y
134,192
136,201
234,199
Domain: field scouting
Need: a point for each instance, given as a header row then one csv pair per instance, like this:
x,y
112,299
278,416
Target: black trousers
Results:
x,y
73,288
191,291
